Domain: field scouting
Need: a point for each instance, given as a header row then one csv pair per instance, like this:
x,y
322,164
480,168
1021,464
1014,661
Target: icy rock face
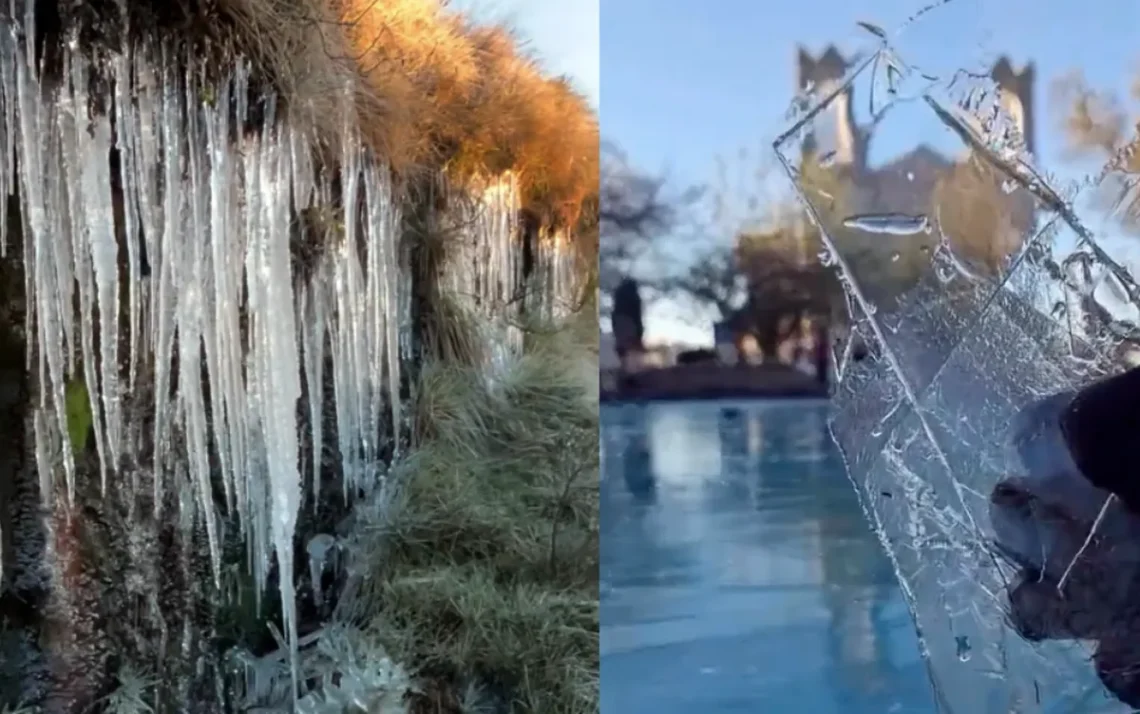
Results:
x,y
965,325
178,258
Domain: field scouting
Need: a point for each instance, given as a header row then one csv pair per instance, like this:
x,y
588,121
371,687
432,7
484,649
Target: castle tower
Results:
x,y
1017,96
824,74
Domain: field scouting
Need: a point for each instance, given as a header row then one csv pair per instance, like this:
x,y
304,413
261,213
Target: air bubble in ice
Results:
x,y
900,224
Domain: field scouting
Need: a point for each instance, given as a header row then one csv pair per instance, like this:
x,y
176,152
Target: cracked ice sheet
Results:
x,y
960,337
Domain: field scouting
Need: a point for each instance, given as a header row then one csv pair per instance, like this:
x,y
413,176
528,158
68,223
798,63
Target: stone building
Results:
x,y
984,219
923,180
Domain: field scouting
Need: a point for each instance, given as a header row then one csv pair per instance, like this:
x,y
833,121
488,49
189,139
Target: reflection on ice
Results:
x,y
713,573
1005,300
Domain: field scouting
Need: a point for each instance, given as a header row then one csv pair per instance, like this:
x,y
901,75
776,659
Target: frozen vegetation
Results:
x,y
298,420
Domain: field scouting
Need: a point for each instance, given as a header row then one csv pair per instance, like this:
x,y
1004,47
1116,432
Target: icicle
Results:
x,y
94,149
166,253
34,119
72,256
349,352
7,131
280,372
190,319
313,310
126,135
382,295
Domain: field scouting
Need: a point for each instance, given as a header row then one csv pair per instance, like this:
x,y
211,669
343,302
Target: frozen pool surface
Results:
x,y
739,573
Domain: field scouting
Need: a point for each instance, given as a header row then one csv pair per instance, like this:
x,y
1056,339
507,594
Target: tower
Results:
x,y
824,73
1016,96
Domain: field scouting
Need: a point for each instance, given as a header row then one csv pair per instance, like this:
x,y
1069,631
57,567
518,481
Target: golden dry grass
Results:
x,y
432,90
437,92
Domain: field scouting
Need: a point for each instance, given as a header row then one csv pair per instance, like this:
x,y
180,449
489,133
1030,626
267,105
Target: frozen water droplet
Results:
x,y
896,256
826,259
319,548
1008,186
964,650
910,176
900,224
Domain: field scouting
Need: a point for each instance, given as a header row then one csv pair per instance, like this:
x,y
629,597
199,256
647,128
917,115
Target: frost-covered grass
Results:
x,y
486,579
473,585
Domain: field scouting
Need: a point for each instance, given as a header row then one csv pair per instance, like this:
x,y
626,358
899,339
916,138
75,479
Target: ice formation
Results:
x,y
953,355
484,265
215,314
556,282
485,268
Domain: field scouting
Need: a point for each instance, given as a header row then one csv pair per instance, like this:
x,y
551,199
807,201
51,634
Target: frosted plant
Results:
x,y
348,670
130,697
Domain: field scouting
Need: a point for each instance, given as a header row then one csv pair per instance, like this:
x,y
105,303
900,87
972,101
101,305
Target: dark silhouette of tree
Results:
x,y
713,278
634,213
627,318
782,289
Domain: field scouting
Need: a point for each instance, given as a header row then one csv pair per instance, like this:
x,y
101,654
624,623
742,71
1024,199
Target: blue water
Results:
x,y
739,573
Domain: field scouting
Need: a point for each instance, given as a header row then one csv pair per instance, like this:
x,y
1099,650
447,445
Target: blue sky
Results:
x,y
682,83
686,81
564,33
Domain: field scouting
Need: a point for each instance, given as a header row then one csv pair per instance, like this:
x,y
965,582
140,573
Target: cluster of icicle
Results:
x,y
206,230
485,269
556,282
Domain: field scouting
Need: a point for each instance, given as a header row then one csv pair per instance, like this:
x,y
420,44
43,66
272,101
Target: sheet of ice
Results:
x,y
976,289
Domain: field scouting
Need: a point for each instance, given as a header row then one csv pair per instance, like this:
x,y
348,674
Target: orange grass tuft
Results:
x,y
447,94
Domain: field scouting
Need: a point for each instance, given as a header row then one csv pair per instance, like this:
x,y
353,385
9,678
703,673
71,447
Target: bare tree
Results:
x,y
634,214
713,278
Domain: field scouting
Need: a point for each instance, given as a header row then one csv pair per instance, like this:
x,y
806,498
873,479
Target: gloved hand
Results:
x,y
1076,449
1101,427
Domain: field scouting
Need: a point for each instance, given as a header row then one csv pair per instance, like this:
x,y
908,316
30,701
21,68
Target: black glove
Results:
x,y
1101,427
1076,449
